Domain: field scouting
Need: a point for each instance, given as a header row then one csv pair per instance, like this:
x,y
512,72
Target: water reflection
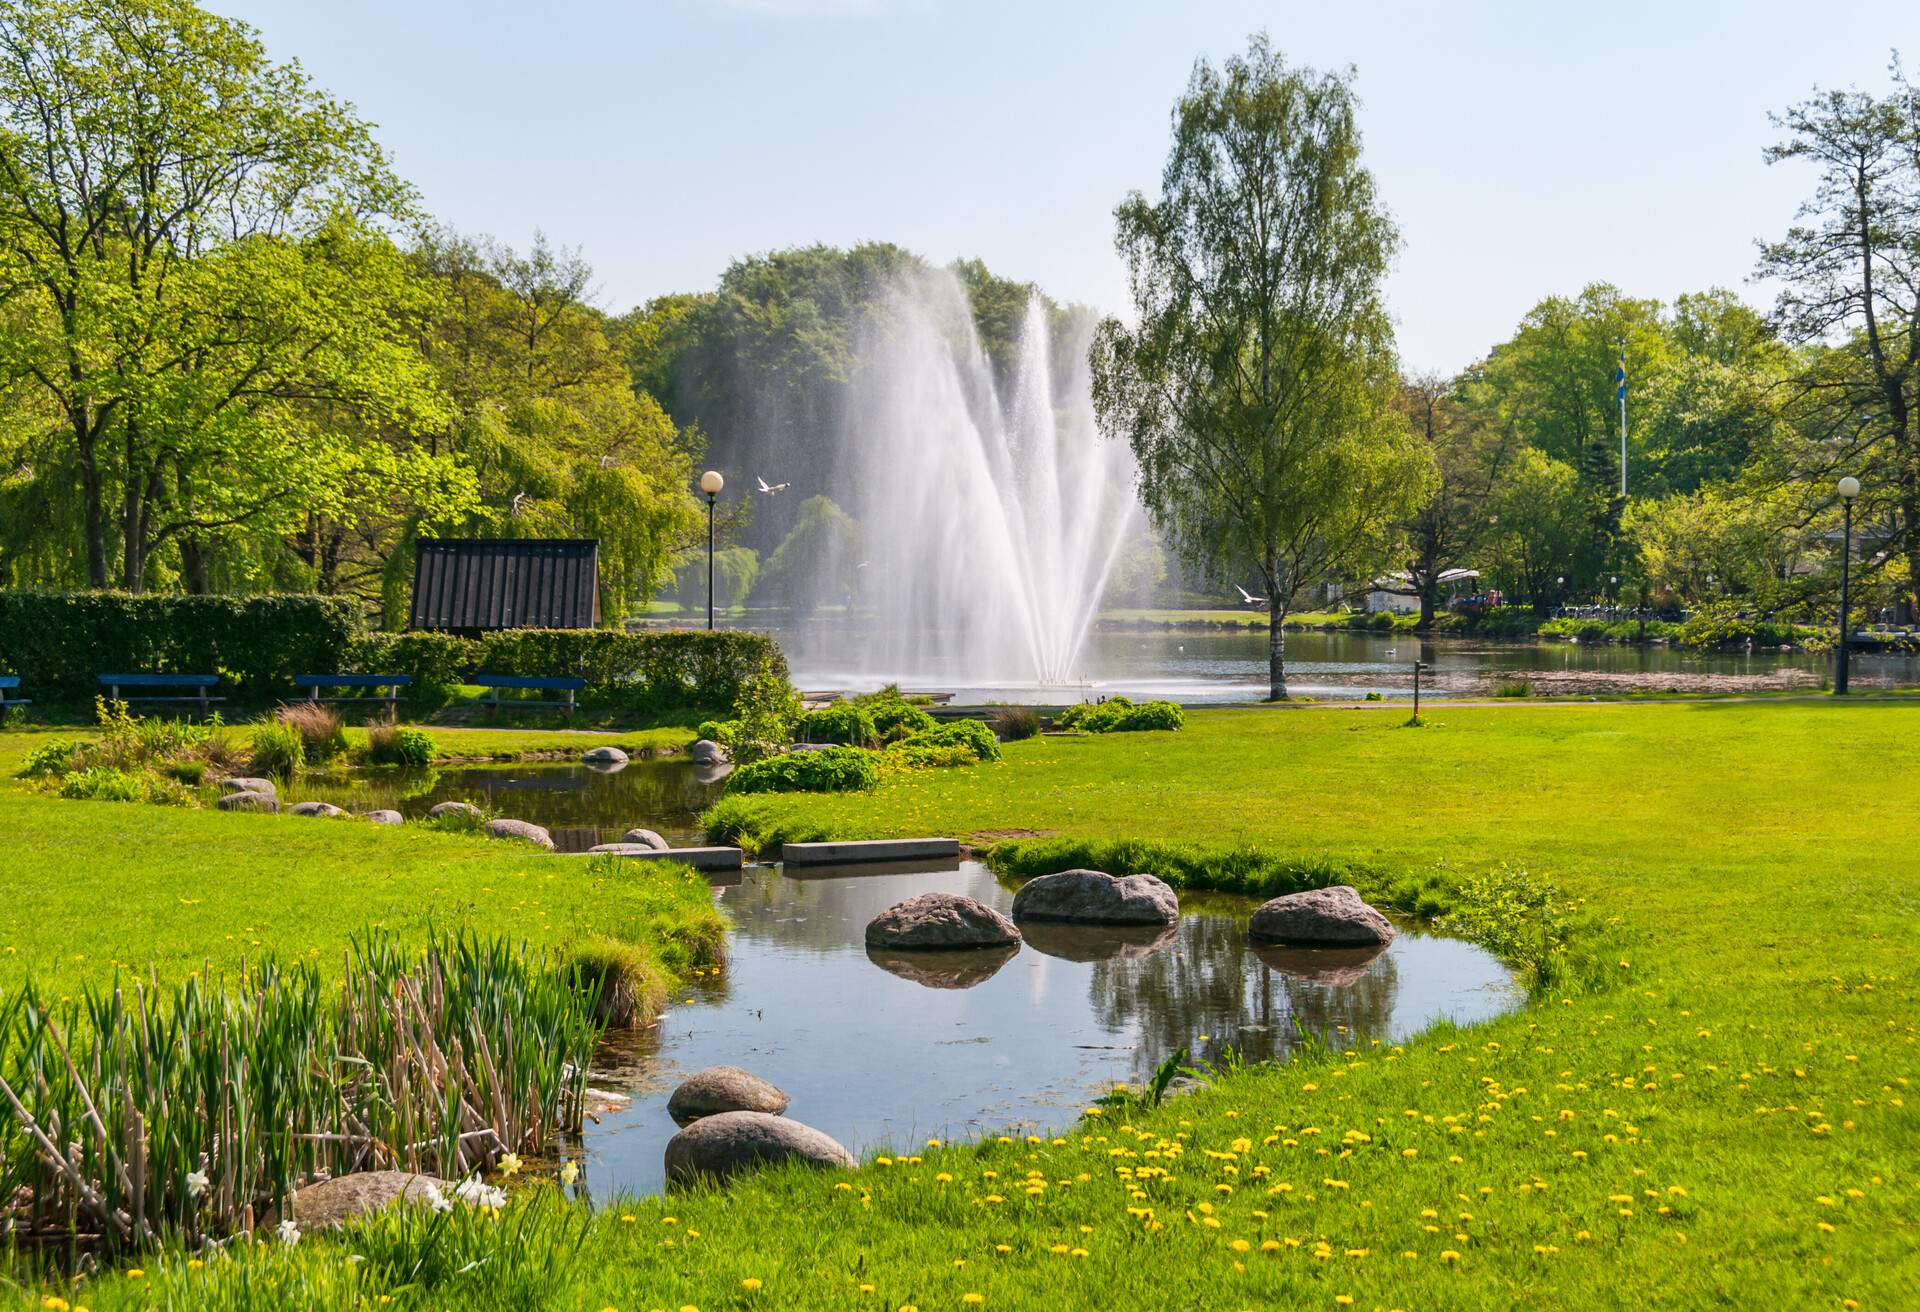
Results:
x,y
897,1048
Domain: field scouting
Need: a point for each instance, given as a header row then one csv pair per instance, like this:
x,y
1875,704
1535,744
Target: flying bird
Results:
x,y
777,487
1247,598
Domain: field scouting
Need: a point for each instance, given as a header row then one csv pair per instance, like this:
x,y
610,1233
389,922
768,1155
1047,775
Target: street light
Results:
x,y
710,483
1849,488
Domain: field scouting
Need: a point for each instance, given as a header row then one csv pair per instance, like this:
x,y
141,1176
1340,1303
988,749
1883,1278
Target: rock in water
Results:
x,y
940,920
442,809
708,752
333,1202
644,838
384,817
726,1143
248,802
522,830
325,810
248,783
1097,898
605,756
723,1089
1331,917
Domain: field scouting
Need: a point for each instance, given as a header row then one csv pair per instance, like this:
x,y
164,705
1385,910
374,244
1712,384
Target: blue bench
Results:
x,y
313,683
196,684
7,703
523,683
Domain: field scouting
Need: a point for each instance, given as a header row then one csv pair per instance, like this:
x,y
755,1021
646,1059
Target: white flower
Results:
x,y
196,1183
355,1259
475,1192
289,1232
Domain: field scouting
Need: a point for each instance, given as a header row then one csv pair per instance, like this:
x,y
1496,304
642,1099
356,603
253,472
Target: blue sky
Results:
x,y
1524,148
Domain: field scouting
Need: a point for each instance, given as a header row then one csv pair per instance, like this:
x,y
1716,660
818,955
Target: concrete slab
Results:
x,y
877,849
700,858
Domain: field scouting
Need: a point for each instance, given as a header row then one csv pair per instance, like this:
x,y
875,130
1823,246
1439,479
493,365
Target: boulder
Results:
x,y
1328,917
1095,897
334,1202
521,829
944,968
940,920
1097,942
248,783
1332,967
604,756
323,810
248,802
707,752
723,1089
384,817
443,809
726,1143
644,838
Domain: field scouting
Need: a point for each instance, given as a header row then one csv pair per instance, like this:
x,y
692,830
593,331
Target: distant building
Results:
x,y
477,585
1387,593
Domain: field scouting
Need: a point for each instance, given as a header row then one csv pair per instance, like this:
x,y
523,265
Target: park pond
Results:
x,y
892,1050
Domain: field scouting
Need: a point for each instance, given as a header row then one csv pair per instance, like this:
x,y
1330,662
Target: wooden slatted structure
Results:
x,y
476,585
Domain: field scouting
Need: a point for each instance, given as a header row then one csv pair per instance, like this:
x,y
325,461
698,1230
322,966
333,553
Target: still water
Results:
x,y
881,1050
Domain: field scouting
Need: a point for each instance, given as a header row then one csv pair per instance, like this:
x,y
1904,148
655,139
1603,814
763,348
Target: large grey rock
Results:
x,y
604,756
443,809
644,838
384,817
940,920
1095,897
322,810
728,1143
524,830
247,783
1331,917
1333,967
1072,942
334,1202
248,802
943,968
723,1089
707,752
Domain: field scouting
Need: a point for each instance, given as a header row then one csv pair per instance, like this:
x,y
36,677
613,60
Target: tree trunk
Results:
x,y
1428,604
1276,647
92,494
193,566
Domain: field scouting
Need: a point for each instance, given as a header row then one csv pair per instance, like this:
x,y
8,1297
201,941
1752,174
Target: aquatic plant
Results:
x,y
322,734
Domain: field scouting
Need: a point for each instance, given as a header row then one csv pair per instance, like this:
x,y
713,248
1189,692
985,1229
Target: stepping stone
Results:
x,y
1331,917
940,920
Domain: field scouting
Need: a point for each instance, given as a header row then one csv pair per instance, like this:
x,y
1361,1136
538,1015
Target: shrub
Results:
x,y
1014,723
973,735
1514,915
400,744
1119,715
893,715
718,731
278,749
1513,688
833,770
670,668
436,662
105,783
322,735
842,722
54,758
764,714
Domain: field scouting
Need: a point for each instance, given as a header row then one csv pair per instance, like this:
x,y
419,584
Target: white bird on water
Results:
x,y
1247,598
777,487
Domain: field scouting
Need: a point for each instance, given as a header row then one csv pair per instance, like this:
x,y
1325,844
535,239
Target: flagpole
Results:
x,y
1623,419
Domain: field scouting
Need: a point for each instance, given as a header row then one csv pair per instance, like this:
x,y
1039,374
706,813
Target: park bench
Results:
x,y
525,683
185,687
9,681
393,683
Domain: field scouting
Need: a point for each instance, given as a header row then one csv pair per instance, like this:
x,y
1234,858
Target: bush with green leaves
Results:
x,y
50,759
278,749
764,715
830,770
1119,715
1519,917
972,735
894,716
400,744
105,783
842,722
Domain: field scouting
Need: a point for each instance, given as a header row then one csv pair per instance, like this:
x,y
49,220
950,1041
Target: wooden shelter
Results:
x,y
477,585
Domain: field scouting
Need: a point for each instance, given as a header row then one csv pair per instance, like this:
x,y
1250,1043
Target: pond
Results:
x,y
579,805
893,1050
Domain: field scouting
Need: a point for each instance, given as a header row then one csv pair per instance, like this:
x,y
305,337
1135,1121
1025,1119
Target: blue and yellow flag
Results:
x,y
1620,374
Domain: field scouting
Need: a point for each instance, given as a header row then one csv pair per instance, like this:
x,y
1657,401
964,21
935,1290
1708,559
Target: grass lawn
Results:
x,y
1726,1120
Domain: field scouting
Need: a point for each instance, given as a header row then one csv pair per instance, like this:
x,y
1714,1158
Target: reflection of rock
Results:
x,y
1095,897
709,773
249,802
944,968
322,810
723,1089
1333,916
1337,967
940,920
645,838
722,1145
521,829
1098,942
334,1202
384,817
605,758
247,783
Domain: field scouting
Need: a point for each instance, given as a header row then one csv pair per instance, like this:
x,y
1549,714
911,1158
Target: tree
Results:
x,y
1545,511
1851,274
1256,386
194,269
817,562
1469,456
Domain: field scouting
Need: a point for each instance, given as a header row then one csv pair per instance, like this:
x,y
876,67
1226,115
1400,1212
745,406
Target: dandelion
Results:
x,y
750,1284
973,1300
1449,1256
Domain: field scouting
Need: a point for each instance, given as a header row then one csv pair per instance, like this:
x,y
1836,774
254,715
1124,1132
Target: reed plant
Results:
x,y
323,735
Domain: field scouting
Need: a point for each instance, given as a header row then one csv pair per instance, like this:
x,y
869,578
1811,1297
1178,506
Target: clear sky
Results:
x,y
1525,148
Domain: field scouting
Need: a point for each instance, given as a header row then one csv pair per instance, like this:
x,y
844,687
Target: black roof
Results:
x,y
475,584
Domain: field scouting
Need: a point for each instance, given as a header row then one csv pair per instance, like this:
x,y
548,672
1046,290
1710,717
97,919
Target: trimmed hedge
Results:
x,y
59,642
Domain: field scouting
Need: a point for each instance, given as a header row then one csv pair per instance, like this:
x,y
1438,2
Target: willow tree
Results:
x,y
1256,385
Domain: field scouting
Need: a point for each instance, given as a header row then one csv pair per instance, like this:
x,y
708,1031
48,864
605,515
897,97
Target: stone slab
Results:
x,y
877,849
700,858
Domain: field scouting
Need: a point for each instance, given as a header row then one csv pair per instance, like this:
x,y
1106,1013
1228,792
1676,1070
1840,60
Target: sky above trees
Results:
x,y
1522,149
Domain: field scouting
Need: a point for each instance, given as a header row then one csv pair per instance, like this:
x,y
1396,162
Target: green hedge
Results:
x,y
830,770
58,642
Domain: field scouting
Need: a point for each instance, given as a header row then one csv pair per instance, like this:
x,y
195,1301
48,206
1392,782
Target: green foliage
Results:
x,y
815,561
971,735
400,744
1723,627
63,640
322,735
104,783
1012,724
764,712
688,668
436,662
718,731
830,770
50,758
1519,917
279,748
842,722
893,715
1513,688
1119,715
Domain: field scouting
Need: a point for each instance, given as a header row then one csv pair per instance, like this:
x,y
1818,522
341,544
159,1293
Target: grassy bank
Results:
x,y
1724,1118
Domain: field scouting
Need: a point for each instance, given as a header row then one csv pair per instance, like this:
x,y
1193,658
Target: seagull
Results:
x,y
1247,598
769,491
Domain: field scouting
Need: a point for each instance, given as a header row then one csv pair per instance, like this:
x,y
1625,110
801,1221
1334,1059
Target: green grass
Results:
x,y
1726,1119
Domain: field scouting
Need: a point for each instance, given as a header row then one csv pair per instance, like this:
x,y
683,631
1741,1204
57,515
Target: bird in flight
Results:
x,y
1247,598
777,487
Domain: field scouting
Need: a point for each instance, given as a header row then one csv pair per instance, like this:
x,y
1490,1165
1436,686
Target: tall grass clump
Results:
x,y
1012,724
323,735
399,744
135,1116
278,749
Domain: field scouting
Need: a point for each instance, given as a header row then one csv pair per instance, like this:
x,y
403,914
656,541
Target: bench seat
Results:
x,y
530,683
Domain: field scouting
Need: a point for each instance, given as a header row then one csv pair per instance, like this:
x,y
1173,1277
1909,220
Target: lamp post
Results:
x,y
1560,594
1613,596
710,483
1849,488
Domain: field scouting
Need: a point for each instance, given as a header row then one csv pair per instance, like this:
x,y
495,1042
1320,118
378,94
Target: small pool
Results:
x,y
880,1051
